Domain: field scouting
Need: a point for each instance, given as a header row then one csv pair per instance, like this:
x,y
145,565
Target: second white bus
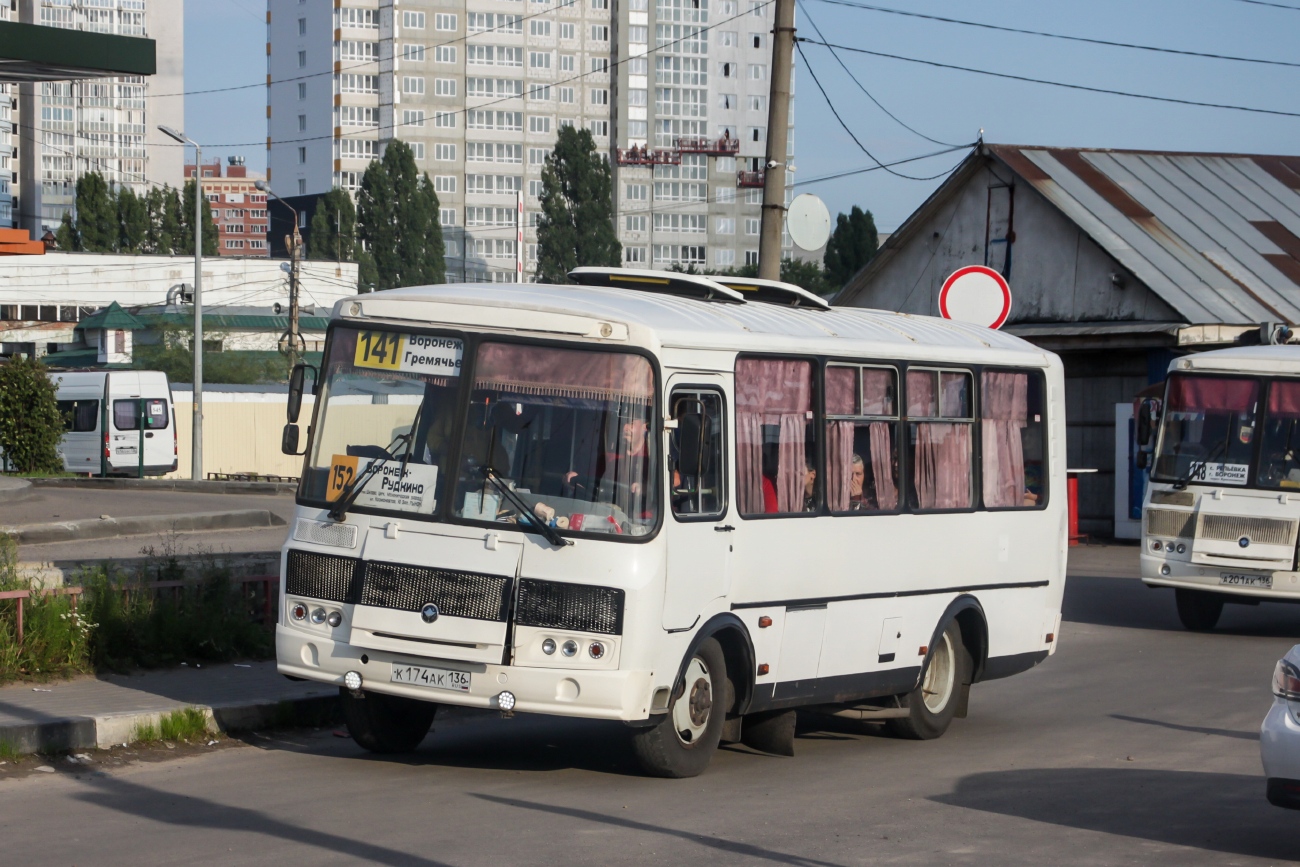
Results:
x,y
658,499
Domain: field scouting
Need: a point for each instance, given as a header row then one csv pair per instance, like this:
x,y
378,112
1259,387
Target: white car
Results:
x,y
1279,736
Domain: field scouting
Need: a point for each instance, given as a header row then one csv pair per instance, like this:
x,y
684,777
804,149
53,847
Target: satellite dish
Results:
x,y
286,267
808,222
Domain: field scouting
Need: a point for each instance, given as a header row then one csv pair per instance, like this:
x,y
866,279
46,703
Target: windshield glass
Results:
x,y
569,431
1279,465
1209,430
385,394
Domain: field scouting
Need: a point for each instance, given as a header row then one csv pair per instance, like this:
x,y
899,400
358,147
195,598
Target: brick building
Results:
x,y
238,207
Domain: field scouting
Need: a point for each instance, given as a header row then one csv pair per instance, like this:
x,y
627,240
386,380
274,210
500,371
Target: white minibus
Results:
x,y
653,498
1223,503
116,422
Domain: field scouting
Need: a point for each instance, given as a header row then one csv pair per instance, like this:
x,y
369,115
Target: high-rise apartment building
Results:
x,y
480,88
64,129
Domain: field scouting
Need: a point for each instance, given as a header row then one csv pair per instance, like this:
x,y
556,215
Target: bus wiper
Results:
x,y
546,530
352,491
1182,481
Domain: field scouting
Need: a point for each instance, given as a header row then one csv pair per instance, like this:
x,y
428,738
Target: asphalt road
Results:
x,y
1135,744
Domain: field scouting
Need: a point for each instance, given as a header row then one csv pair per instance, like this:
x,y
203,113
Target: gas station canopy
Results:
x,y
31,52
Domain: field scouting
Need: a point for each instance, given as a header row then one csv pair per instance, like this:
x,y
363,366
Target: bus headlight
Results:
x,y
334,618
569,648
318,616
548,646
1182,549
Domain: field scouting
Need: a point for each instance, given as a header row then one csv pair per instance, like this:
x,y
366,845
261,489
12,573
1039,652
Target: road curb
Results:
x,y
14,490
183,485
108,527
90,732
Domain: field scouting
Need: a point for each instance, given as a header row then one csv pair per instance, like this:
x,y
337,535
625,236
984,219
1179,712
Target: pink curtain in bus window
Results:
x,y
920,394
774,392
839,462
749,462
841,391
564,372
942,471
877,392
882,466
1209,394
1284,399
1006,412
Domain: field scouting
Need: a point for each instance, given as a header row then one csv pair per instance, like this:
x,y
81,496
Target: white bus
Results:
x,y
686,506
1223,503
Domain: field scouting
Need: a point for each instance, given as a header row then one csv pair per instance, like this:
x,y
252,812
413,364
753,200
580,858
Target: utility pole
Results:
x,y
778,123
291,341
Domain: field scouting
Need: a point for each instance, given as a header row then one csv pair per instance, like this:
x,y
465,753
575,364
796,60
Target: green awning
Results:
x,y
32,52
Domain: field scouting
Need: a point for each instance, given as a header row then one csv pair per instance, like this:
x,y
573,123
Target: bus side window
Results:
x,y
776,437
1012,420
696,457
940,419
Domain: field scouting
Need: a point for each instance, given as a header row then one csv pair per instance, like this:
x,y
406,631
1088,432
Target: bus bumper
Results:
x,y
612,695
1272,584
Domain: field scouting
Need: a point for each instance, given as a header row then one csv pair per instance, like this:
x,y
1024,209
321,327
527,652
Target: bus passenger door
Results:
x,y
699,537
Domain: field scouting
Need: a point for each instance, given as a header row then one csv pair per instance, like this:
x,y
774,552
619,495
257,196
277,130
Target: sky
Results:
x,y
225,47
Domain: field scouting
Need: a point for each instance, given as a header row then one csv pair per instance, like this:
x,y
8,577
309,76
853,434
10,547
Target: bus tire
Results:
x,y
685,738
1198,610
933,704
386,723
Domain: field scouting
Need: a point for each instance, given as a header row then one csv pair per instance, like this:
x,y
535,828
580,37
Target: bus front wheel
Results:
x,y
932,705
386,723
684,740
1198,610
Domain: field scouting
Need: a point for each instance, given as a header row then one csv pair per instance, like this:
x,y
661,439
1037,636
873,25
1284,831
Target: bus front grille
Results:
x,y
1170,523
322,576
457,594
575,607
1261,531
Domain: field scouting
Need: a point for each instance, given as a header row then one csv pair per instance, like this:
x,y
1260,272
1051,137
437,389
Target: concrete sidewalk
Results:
x,y
105,710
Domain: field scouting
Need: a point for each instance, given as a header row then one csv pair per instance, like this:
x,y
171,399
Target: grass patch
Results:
x,y
188,723
146,733
56,636
8,752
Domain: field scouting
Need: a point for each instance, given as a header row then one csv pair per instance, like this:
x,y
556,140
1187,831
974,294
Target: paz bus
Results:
x,y
1223,503
688,506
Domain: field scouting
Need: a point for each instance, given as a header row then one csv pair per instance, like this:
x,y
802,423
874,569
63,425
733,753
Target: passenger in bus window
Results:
x,y
858,475
809,486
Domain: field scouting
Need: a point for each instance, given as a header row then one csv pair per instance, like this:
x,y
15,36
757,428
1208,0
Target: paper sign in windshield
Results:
x,y
390,488
1219,474
411,353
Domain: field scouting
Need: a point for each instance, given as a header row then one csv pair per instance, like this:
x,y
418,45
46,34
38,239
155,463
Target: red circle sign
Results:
x,y
976,294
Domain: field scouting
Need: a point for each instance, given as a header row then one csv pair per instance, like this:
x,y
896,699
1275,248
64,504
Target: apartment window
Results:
x,y
441,119
441,20
413,84
302,186
637,33
636,192
637,96
441,53
727,70
443,87
415,21
757,9
352,83
302,155
727,38
444,152
302,59
539,124
302,123
686,254
231,244
600,64
566,63
637,5
757,133
600,32
360,19
599,4
257,244
758,72
447,216
566,93
634,223
751,257
753,196
539,59
302,90
599,127
352,49
638,66
417,150
566,31
535,189
302,26
539,28
751,225
634,255
537,156
541,93
758,103
756,40
358,115
599,96
637,128
724,258
357,148
346,180
481,22
451,248
725,226
725,166
444,183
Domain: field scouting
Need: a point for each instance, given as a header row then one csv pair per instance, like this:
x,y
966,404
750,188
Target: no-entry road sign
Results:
x,y
976,294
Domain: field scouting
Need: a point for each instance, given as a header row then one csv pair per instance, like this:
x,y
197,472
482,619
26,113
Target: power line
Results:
x,y
1067,37
1063,84
1274,5
831,105
851,172
863,88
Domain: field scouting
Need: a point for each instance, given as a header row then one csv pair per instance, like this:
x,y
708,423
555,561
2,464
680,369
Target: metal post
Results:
x,y
295,336
196,438
778,121
140,453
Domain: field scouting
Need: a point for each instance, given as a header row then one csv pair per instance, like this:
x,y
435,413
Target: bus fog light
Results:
x,y
318,616
596,649
1164,570
352,680
334,618
548,646
298,611
1156,546
1169,546
569,648
506,700
1182,549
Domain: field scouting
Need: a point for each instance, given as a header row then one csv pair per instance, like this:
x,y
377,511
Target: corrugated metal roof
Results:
x,y
1216,236
112,317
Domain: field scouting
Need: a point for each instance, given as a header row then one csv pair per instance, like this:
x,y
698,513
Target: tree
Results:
x,y
333,228
173,353
577,221
30,423
164,207
96,214
119,220
850,247
132,221
799,272
184,242
397,223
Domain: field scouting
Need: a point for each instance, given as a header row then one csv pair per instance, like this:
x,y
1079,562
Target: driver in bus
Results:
x,y
629,465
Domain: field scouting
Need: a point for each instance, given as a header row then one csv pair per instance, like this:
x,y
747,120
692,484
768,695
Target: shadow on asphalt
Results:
x,y
1217,812
1197,730
1129,603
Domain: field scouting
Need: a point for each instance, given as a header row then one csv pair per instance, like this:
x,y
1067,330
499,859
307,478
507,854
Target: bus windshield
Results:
x,y
567,430
1208,430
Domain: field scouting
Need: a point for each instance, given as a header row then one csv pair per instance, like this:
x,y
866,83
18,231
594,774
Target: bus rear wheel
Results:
x,y
932,705
386,723
684,740
1198,610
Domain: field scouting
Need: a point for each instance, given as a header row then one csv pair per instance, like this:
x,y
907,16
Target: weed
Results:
x,y
146,733
9,752
56,636
188,723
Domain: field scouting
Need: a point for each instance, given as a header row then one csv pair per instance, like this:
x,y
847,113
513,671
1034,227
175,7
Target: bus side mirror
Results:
x,y
297,383
289,439
1148,412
